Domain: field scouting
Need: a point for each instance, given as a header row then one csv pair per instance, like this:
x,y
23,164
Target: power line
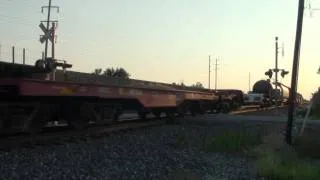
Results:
x,y
15,17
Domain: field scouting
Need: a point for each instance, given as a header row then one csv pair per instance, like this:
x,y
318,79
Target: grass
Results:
x,y
230,141
273,165
273,158
277,160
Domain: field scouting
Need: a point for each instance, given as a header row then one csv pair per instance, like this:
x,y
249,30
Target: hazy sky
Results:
x,y
170,40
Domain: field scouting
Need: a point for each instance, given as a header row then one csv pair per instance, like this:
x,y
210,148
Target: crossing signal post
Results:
x,y
49,35
276,70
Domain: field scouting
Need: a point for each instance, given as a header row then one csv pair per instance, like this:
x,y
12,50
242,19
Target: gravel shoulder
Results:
x,y
151,153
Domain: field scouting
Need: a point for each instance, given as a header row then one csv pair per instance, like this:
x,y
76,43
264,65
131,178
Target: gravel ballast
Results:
x,y
151,153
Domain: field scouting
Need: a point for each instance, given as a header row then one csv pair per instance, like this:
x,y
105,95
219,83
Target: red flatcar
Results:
x,y
28,101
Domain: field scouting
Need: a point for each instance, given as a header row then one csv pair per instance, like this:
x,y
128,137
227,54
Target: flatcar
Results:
x,y
29,100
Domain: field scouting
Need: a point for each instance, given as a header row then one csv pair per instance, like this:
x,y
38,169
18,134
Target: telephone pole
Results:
x,y
216,74
249,82
276,70
209,70
295,68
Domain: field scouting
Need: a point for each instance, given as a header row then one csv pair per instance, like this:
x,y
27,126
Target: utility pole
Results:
x,y
276,70
13,54
209,70
249,82
53,50
216,74
295,68
53,39
24,56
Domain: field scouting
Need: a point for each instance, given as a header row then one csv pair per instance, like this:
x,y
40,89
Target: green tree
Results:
x,y
197,85
97,71
118,72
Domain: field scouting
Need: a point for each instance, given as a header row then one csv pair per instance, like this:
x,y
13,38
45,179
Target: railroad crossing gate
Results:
x,y
48,34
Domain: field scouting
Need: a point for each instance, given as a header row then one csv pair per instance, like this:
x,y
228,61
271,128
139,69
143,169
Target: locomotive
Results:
x,y
29,98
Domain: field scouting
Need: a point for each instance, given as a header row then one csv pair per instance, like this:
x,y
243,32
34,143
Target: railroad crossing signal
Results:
x,y
48,34
269,73
284,72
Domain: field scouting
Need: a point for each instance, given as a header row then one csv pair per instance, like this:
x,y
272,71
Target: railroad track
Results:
x,y
63,134
250,109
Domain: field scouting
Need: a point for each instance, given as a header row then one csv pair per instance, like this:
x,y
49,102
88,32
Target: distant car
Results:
x,y
254,99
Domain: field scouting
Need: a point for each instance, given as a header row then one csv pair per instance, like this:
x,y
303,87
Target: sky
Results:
x,y
170,40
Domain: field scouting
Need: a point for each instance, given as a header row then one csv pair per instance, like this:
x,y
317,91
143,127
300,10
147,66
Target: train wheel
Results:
x,y
117,113
225,107
157,114
182,110
170,117
37,119
80,117
142,115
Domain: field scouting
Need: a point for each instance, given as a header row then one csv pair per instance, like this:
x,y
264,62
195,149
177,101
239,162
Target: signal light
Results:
x,y
283,73
269,73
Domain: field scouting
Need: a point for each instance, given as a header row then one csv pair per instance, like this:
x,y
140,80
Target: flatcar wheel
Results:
x,y
81,118
157,114
38,119
117,114
170,117
225,107
182,110
142,115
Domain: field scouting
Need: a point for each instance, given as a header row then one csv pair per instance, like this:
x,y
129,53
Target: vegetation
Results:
x,y
230,141
197,85
273,166
273,158
179,84
118,72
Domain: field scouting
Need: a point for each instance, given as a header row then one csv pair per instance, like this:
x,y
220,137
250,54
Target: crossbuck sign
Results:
x,y
48,34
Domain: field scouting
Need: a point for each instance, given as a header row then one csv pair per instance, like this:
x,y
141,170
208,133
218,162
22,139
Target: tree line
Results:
x,y
118,72
122,73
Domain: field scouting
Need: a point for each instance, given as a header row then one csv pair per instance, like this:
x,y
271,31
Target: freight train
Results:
x,y
29,100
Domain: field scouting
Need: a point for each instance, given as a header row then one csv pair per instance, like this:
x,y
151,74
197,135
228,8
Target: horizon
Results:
x,y
178,38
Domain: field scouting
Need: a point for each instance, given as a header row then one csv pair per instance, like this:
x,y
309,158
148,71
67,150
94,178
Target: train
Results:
x,y
264,94
30,98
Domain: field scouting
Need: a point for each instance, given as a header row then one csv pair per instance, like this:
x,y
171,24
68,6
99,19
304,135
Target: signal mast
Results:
x,y
47,64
